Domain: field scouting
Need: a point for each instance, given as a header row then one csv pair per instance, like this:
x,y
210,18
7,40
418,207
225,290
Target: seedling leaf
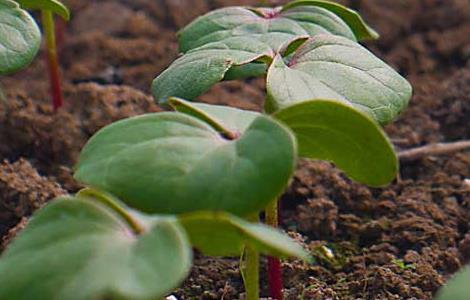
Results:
x,y
55,6
20,37
198,70
222,234
174,163
361,30
273,26
221,118
75,248
457,288
332,67
225,43
329,130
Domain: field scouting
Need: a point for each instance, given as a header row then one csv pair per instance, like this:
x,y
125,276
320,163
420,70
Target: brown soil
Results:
x,y
398,242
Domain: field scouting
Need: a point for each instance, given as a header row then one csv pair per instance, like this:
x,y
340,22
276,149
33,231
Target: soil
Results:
x,y
399,242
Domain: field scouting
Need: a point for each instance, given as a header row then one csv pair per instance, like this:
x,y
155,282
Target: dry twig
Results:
x,y
433,150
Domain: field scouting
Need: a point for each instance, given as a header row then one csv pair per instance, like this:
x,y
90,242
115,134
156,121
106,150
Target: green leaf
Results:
x,y
55,6
257,69
198,70
332,67
361,30
78,249
221,118
329,130
271,26
221,234
457,288
214,43
20,37
174,163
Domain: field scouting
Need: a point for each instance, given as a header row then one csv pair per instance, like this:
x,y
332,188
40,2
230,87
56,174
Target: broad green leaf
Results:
x,y
55,6
198,70
256,32
174,163
20,37
361,30
221,234
457,288
329,130
77,249
273,26
332,67
221,118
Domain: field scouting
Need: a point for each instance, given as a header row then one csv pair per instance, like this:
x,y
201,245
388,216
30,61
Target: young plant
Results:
x,y
329,90
185,179
20,39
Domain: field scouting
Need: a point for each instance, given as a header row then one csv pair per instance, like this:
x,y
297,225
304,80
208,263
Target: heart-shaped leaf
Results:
x,y
361,30
329,130
225,43
78,249
221,234
20,37
332,67
55,6
198,70
273,26
457,288
175,163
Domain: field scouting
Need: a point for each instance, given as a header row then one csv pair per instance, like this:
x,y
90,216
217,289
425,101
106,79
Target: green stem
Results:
x,y
52,58
250,270
272,214
251,273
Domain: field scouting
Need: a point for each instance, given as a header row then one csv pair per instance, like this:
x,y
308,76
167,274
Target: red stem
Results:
x,y
275,278
274,264
55,84
52,59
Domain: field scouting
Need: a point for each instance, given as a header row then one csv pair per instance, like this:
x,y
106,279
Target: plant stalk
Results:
x,y
250,269
251,273
52,59
274,263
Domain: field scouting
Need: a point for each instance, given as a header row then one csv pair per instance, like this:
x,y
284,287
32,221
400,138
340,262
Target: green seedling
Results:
x,y
181,182
328,89
20,38
215,158
204,157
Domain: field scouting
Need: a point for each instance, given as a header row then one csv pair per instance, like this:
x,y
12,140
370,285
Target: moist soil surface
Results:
x,y
399,242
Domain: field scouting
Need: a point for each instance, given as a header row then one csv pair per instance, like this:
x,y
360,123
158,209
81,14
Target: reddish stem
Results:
x,y
55,84
274,264
52,59
275,278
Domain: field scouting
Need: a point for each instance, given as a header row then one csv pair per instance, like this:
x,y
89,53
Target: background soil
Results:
x,y
398,242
